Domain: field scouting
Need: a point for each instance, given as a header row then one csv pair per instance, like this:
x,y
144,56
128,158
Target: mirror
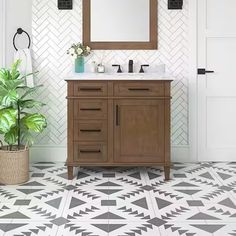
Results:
x,y
122,24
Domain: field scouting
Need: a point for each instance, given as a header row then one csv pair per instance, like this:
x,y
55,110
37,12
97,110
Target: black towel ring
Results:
x,y
20,31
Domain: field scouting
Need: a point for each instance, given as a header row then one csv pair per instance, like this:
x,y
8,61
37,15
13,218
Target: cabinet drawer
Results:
x,y
143,89
90,89
90,130
90,152
90,109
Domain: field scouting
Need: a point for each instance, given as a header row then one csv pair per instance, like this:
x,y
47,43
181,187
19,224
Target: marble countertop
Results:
x,y
118,76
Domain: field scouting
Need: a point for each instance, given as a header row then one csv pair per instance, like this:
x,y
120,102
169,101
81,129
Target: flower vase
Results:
x,y
79,65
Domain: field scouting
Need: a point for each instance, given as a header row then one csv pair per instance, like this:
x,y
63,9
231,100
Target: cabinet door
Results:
x,y
139,131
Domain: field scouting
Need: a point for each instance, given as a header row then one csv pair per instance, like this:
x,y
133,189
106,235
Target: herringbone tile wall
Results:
x,y
54,31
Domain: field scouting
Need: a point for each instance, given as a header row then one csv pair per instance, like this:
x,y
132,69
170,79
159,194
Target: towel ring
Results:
x,y
20,31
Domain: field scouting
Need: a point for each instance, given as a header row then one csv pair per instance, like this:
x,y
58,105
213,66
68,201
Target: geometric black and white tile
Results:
x,y
199,200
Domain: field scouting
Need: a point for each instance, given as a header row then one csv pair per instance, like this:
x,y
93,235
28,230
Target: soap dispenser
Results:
x,y
101,68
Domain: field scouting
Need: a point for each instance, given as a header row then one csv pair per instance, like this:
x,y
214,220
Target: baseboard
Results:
x,y
181,154
48,153
59,153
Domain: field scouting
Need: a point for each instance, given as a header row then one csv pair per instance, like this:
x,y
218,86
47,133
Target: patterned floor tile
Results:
x,y
191,229
23,227
84,205
93,228
125,228
200,199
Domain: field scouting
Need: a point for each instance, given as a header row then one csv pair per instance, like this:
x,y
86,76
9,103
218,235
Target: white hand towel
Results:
x,y
26,65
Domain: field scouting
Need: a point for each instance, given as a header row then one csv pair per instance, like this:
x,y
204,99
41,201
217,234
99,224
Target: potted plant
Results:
x,y
17,125
78,52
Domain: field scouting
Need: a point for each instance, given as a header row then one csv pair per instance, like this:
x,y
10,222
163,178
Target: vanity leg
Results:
x,y
167,172
70,172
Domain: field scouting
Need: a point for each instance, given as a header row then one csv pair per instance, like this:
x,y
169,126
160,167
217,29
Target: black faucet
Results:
x,y
119,68
141,69
131,66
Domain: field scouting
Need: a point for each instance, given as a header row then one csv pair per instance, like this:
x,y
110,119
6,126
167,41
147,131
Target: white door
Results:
x,y
217,91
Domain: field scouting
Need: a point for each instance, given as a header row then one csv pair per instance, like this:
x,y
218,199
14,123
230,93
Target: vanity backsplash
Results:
x,y
54,31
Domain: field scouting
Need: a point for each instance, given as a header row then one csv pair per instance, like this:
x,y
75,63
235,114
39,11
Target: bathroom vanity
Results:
x,y
118,120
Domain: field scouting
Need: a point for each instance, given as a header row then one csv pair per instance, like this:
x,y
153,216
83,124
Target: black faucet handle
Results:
x,y
131,66
119,68
141,69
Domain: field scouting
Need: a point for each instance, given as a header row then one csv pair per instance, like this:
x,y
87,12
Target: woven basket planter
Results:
x,y
14,166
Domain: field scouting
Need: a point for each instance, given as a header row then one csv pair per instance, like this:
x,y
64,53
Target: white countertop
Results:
x,y
118,76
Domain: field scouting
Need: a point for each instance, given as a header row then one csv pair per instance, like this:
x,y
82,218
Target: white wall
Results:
x,y
18,15
2,33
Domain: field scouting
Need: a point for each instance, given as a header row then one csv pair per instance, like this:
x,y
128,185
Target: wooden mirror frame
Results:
x,y
150,45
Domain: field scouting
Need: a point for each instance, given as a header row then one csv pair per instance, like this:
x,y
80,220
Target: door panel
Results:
x,y
221,115
217,91
139,131
220,55
220,14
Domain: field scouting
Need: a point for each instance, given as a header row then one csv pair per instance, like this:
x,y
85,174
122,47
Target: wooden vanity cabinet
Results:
x,y
118,123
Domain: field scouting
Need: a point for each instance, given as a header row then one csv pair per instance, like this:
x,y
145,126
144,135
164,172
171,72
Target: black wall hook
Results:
x,y
20,31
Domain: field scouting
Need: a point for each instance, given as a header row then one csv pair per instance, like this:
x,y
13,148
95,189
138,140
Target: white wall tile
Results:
x,y
54,31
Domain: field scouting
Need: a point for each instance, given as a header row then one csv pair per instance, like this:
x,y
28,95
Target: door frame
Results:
x,y
3,33
192,82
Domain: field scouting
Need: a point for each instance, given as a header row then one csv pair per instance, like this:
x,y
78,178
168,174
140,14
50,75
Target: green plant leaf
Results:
x,y
29,90
35,122
11,136
7,119
11,89
4,75
10,98
13,84
30,104
3,91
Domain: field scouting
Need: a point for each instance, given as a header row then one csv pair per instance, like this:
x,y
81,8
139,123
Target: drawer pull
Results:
x,y
90,89
90,151
117,116
139,89
90,109
90,130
